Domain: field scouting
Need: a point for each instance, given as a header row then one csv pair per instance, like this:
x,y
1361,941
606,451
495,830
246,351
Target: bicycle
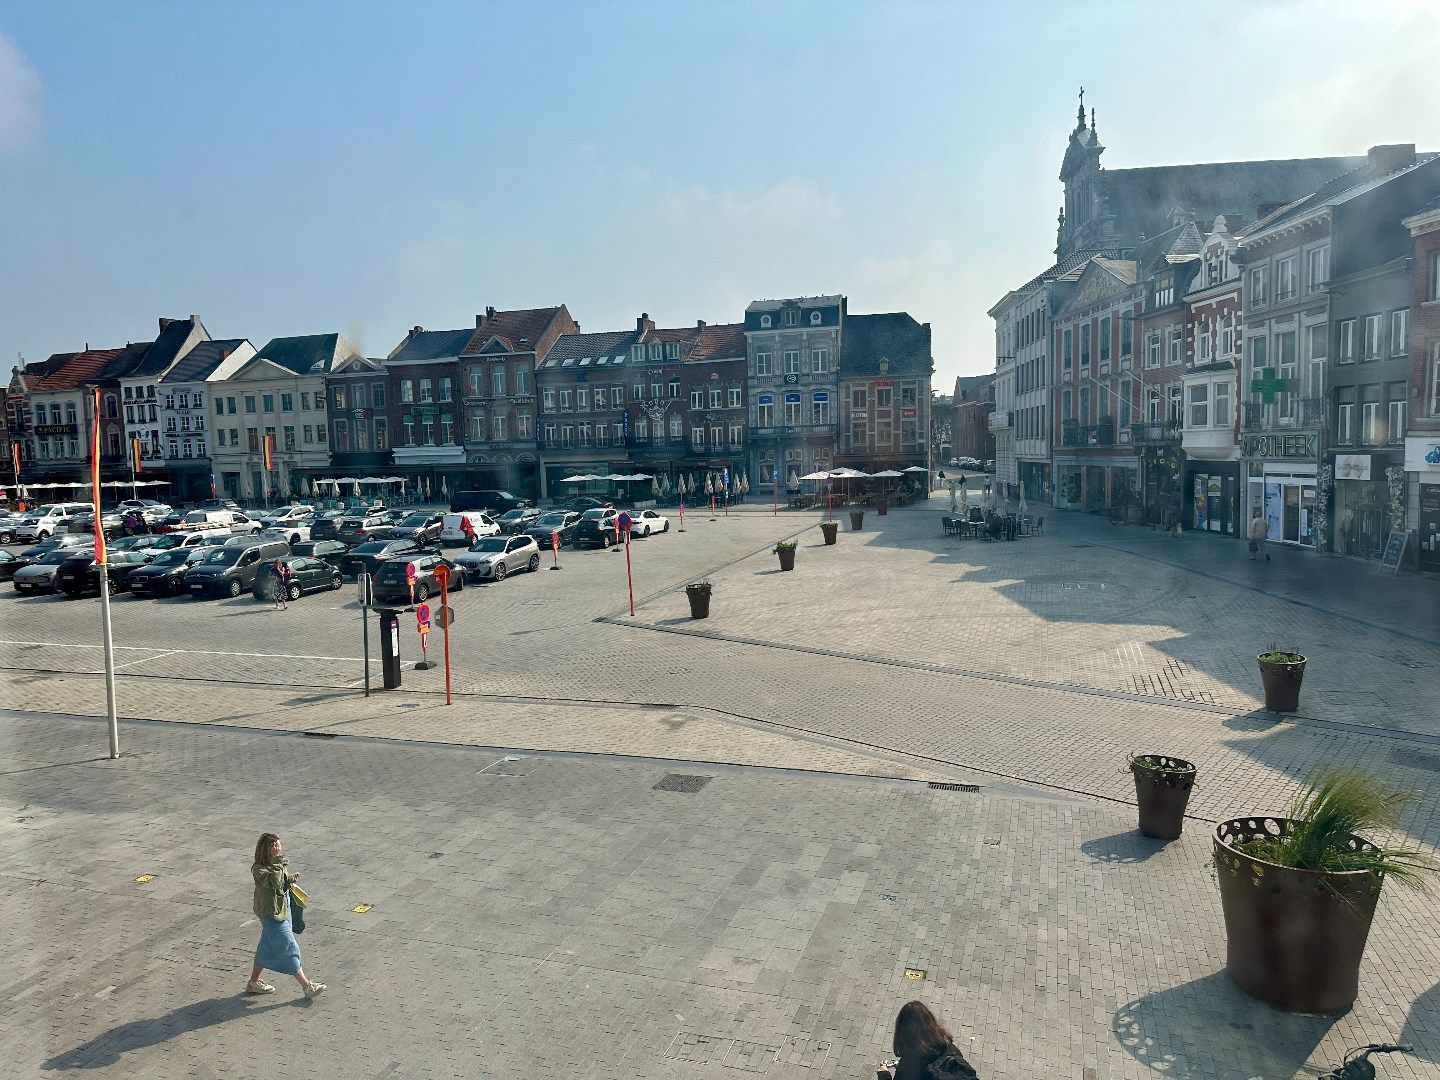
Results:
x,y
1356,1065
1118,510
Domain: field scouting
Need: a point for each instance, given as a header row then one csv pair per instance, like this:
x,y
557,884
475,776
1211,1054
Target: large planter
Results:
x,y
699,602
882,507
1281,683
787,558
857,519
1293,938
828,529
1162,788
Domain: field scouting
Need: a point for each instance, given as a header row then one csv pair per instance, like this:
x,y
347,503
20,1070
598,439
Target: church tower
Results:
x,y
1085,222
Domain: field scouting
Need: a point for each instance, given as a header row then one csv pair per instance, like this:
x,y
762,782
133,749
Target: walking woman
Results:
x,y
278,950
924,1049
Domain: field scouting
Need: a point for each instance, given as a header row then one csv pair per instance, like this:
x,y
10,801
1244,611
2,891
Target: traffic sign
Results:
x,y
367,592
411,571
625,521
442,575
445,617
422,616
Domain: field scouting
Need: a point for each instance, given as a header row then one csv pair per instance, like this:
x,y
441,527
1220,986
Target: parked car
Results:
x,y
168,541
84,523
648,522
39,576
366,558
217,504
422,526
79,576
596,528
8,524
229,571
291,532
492,557
452,529
581,503
169,522
164,575
306,575
9,563
234,520
31,555
355,528
130,543
517,520
392,586
48,520
494,502
326,525
285,514
552,521
329,551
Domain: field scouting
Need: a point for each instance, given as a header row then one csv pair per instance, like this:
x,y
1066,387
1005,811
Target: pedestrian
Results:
x,y
924,1049
283,575
278,950
1258,531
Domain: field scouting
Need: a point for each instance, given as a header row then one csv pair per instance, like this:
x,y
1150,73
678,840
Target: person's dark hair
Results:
x,y
918,1032
266,842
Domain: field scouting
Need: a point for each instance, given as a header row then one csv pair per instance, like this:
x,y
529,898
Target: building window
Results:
x,y
547,399
1199,406
446,390
1174,353
734,398
1370,416
305,401
287,402
858,397
409,428
1399,332
765,321
308,434
1315,260
267,402
1085,347
522,381
764,363
642,428
820,409
500,434
1345,341
792,411
289,437
582,398
1152,350
477,427
672,350
219,407
1257,286
407,394
1065,350
1285,280
564,400
765,411
1370,342
697,399
497,381
820,359
550,434
1105,340
677,428
697,437
474,382
447,429
790,317
427,394
792,361
814,318
249,403
715,397
1222,405
672,389
1395,413
884,397
638,389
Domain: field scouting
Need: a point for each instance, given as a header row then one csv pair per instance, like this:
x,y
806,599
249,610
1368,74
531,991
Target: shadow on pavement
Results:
x,y
106,1048
1420,1023
1123,848
1207,1027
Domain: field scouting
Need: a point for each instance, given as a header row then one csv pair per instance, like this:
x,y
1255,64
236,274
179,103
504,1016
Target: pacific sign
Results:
x,y
1298,445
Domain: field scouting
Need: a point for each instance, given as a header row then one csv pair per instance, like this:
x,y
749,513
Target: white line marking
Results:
x,y
106,991
187,652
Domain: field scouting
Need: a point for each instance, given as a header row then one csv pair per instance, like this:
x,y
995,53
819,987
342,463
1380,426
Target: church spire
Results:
x,y
1080,112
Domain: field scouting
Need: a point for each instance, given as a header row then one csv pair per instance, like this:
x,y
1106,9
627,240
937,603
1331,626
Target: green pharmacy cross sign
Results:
x,y
1267,385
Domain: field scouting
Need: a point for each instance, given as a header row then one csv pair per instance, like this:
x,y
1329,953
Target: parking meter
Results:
x,y
389,646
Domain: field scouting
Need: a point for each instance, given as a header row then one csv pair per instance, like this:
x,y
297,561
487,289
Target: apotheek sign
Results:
x,y
1294,446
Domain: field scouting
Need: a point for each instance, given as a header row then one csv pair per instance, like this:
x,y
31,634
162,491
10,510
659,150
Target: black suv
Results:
x,y
366,558
392,586
326,525
596,528
81,575
330,551
494,503
563,522
164,575
422,526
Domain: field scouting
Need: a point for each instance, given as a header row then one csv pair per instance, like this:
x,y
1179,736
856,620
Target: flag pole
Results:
x,y
102,569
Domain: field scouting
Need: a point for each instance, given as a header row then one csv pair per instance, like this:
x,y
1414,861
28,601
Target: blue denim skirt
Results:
x,y
278,950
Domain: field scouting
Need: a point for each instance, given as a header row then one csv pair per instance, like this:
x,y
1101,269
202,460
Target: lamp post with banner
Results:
x,y
102,567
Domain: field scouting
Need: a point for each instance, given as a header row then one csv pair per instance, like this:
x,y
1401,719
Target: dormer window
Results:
x,y
765,321
672,350
655,350
791,317
814,318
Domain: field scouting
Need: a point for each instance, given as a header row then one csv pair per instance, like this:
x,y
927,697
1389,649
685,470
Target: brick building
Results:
x,y
885,371
971,407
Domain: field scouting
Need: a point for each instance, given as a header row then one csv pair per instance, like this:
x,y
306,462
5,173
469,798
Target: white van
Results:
x,y
187,540
452,529
233,520
45,521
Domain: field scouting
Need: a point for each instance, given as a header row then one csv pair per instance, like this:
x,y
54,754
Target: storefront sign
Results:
x,y
1422,454
362,414
907,414
55,429
883,383
1296,446
765,399
794,398
859,414
1352,466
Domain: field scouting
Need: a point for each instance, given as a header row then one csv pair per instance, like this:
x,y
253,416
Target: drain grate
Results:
x,y
937,785
682,782
1415,759
318,734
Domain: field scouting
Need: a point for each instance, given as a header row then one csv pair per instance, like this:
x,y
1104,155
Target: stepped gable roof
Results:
x,y
1143,200
199,362
421,345
510,326
309,354
723,341
888,344
577,347
1368,175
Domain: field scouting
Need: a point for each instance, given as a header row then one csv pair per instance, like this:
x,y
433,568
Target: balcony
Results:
x,y
1284,414
562,443
792,430
668,443
1073,434
1165,431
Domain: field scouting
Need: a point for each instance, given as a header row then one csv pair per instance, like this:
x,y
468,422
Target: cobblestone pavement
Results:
x,y
555,916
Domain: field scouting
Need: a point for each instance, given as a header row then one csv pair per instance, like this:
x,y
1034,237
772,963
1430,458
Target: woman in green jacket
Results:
x,y
278,949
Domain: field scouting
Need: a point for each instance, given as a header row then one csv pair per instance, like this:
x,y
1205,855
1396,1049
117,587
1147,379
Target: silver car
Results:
x,y
490,558
40,577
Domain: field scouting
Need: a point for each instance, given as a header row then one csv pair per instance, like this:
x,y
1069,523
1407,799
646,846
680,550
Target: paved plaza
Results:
x,y
540,906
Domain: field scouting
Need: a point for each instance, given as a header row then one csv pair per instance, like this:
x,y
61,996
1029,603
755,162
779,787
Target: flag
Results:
x,y
15,458
135,455
269,445
95,482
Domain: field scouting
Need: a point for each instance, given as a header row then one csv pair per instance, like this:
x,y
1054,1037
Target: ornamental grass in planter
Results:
x,y
698,593
1281,672
1162,789
829,530
786,550
1299,892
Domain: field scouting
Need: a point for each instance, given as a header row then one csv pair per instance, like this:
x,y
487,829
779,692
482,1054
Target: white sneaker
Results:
x,y
254,987
314,990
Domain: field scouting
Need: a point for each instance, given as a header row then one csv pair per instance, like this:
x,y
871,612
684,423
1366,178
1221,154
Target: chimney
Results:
x,y
643,323
416,330
699,324
164,322
1389,158
478,320
489,312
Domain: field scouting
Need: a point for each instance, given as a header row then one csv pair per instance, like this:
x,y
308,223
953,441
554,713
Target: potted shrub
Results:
x,y
786,550
828,529
857,519
882,505
1299,892
1281,672
698,593
1162,788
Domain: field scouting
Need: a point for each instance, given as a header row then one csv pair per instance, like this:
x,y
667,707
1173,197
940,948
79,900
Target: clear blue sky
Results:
x,y
291,168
